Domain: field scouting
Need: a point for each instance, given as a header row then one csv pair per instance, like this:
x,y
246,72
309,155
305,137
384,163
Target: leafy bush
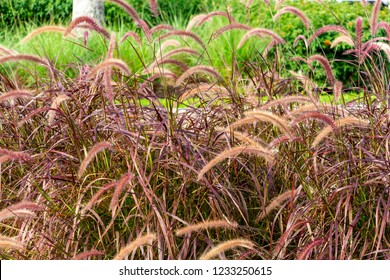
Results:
x,y
15,12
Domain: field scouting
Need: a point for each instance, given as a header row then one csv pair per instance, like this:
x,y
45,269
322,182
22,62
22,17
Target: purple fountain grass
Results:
x,y
88,23
182,33
43,29
295,11
10,243
176,62
6,155
15,94
6,51
193,21
309,248
328,28
227,245
342,39
119,188
88,254
154,7
28,57
314,115
300,37
132,35
259,32
128,8
179,51
325,64
213,14
386,27
374,17
22,209
228,27
161,27
198,69
91,154
134,15
108,63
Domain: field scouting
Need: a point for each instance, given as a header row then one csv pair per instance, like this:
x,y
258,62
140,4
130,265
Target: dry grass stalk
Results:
x,y
306,252
342,39
87,254
272,118
32,114
194,21
300,37
307,83
118,191
6,51
15,94
320,108
205,225
7,243
198,69
176,62
182,33
204,88
228,27
314,115
295,11
134,15
233,152
374,17
7,155
125,251
128,8
348,121
91,154
20,213
285,100
227,246
161,27
172,53
97,195
133,35
325,63
329,28
337,88
166,44
383,47
208,16
27,57
242,137
385,26
154,7
110,63
22,209
47,28
111,46
259,32
277,201
87,22
54,106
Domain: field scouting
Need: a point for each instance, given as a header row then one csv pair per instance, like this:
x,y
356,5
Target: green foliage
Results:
x,y
15,12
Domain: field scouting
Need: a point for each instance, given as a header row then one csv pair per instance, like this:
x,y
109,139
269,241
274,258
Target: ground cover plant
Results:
x,y
157,143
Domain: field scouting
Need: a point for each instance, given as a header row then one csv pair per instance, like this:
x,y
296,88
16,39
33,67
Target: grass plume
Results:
x,y
147,238
234,152
227,245
91,154
205,225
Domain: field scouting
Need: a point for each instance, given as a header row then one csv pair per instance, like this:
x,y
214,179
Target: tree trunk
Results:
x,y
90,8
